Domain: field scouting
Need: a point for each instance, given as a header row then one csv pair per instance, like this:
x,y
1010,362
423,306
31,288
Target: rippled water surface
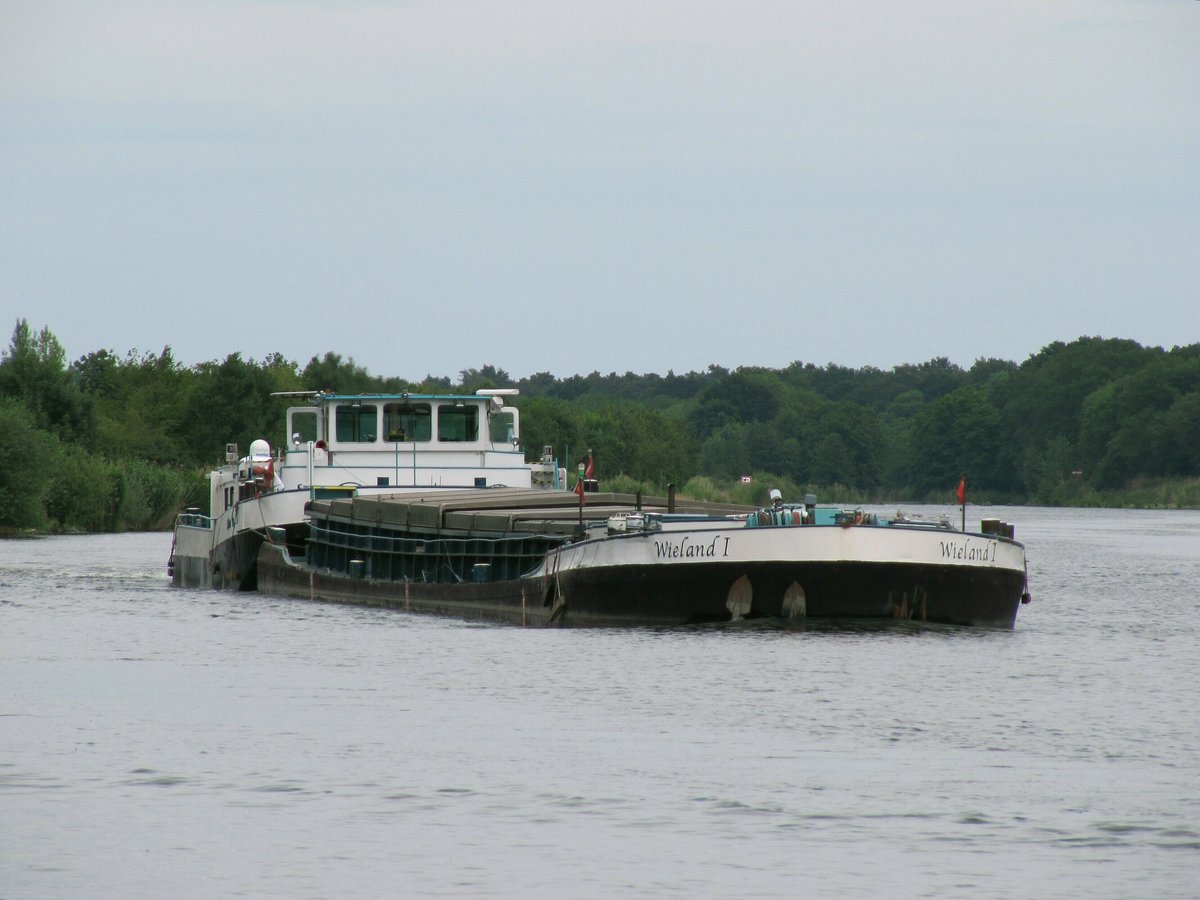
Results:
x,y
156,742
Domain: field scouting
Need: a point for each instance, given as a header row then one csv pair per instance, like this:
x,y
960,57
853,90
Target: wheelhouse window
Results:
x,y
304,426
407,422
458,422
357,423
502,429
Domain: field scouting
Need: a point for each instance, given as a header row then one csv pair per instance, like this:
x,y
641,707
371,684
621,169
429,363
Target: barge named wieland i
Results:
x,y
425,502
522,557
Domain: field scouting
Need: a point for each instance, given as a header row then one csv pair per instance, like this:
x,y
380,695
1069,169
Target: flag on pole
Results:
x,y
961,490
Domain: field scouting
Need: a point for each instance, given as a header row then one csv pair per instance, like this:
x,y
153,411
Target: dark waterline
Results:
x,y
157,742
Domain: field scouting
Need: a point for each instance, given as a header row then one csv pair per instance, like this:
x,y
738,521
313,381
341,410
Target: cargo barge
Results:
x,y
425,502
533,558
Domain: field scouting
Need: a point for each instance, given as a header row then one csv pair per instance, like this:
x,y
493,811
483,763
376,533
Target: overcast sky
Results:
x,y
618,186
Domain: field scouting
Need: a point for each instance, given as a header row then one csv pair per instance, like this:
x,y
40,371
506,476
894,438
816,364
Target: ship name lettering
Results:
x,y
969,551
685,548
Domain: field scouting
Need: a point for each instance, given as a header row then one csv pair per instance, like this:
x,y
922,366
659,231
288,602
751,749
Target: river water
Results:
x,y
157,742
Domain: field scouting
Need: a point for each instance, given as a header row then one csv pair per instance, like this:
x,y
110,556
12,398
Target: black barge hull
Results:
x,y
716,593
524,601
656,596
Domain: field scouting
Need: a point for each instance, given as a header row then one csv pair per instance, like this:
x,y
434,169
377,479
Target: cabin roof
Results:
x,y
318,397
327,398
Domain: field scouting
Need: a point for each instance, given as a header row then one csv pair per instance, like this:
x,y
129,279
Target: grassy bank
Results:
x,y
1142,493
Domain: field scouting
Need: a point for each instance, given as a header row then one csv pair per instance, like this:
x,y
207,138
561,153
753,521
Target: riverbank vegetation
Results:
x,y
109,442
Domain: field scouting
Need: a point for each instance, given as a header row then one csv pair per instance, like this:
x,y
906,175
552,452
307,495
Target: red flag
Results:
x,y
961,490
591,467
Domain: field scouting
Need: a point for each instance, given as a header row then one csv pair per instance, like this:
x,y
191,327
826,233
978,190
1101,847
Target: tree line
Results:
x,y
114,442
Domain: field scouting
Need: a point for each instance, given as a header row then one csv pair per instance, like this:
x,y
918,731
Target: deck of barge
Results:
x,y
450,536
498,511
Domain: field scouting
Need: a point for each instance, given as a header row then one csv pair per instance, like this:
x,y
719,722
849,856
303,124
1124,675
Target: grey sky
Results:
x,y
566,187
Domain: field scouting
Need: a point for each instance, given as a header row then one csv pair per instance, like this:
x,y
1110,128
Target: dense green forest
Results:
x,y
111,442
